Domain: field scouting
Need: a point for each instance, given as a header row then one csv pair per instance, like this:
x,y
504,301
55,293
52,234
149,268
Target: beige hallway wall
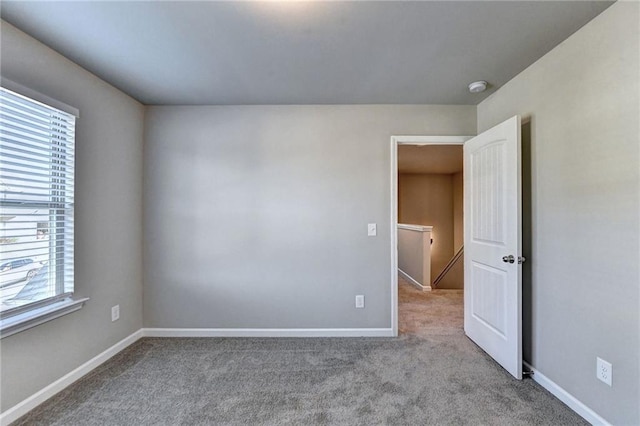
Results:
x,y
427,199
458,217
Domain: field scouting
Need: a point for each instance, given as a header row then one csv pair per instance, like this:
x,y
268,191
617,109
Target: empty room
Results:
x,y
247,212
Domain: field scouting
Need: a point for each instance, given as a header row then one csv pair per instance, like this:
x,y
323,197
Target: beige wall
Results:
x,y
458,217
413,255
454,278
583,99
427,199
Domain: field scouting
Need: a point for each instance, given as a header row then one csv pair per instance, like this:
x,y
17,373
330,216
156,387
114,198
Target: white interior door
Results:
x,y
493,243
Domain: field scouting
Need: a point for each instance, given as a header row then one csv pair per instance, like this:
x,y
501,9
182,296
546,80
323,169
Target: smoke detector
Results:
x,y
478,86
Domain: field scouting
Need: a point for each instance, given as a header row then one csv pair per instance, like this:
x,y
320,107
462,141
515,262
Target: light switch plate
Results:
x,y
372,230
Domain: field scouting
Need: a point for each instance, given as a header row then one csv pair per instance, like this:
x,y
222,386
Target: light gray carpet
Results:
x,y
437,380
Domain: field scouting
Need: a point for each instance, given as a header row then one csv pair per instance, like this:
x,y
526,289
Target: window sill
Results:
x,y
17,323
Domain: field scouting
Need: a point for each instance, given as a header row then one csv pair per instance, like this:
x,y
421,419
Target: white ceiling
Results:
x,y
284,52
445,159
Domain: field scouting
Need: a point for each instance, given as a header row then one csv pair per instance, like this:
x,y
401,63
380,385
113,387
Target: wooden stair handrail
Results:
x,y
449,265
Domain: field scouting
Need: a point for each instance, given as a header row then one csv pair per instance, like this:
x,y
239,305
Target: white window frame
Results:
x,y
39,312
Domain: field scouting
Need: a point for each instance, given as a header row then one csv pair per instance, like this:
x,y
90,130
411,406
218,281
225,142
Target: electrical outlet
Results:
x,y
360,301
604,370
115,313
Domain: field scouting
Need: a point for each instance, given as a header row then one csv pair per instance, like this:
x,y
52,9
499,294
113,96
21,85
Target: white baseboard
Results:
x,y
571,401
267,332
22,408
414,282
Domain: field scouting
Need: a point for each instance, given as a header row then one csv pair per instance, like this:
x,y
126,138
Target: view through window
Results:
x,y
36,203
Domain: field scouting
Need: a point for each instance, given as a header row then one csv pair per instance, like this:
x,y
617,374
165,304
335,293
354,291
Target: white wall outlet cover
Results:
x,y
115,313
372,230
604,370
360,301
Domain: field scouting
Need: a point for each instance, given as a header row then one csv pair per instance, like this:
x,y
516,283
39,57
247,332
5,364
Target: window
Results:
x,y
36,207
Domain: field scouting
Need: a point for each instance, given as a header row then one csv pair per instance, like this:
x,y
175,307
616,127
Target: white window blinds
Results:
x,y
36,203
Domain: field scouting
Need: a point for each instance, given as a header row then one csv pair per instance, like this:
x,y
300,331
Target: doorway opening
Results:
x,y
427,234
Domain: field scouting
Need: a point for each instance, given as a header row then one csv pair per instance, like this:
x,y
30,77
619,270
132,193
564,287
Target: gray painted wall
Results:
x,y
256,216
583,99
108,215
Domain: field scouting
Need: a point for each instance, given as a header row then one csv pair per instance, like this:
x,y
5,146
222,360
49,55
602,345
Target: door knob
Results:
x,y
508,259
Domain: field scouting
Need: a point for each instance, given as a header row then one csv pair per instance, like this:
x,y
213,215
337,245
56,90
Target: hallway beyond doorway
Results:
x,y
437,312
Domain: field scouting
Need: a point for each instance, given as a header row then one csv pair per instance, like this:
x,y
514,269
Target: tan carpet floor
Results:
x,y
425,313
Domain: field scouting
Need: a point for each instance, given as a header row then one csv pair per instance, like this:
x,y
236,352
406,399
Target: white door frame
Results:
x,y
395,141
